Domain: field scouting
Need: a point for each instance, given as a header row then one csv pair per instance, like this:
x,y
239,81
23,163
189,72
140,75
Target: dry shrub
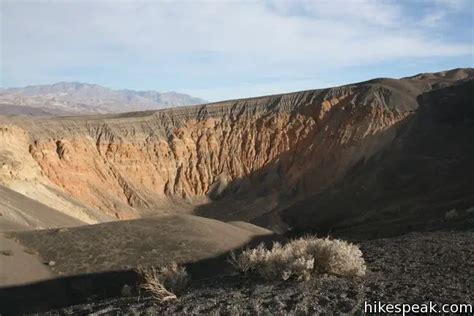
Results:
x,y
450,215
301,258
164,283
6,252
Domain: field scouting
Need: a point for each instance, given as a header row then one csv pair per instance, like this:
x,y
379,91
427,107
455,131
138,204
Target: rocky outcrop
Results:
x,y
289,146
20,172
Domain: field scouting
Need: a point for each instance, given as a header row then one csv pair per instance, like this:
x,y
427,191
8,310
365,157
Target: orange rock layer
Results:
x,y
289,143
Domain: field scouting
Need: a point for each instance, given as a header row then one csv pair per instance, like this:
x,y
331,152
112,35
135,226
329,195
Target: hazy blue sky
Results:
x,y
220,50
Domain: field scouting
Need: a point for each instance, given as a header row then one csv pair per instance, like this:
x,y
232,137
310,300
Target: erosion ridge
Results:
x,y
412,184
276,149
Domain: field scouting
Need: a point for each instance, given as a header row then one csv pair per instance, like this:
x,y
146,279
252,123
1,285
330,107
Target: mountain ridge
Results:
x,y
72,98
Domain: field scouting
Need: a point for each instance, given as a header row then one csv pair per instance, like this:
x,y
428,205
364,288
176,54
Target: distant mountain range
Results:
x,y
72,98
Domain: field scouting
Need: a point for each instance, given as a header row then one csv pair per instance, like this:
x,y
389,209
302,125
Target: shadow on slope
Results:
x,y
120,245
85,287
261,197
426,172
424,168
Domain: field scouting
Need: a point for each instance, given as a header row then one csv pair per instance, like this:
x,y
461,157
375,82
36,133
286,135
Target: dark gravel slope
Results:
x,y
415,268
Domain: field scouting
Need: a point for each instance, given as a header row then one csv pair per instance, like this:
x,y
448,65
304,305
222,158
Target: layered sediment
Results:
x,y
135,164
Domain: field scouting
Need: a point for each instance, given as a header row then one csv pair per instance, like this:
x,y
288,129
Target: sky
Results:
x,y
220,50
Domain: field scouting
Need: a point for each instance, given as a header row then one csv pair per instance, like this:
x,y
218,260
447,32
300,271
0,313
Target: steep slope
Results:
x,y
22,174
235,160
18,212
69,98
118,163
427,171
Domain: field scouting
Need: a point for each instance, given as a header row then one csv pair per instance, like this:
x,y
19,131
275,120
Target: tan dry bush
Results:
x,y
450,215
302,258
164,283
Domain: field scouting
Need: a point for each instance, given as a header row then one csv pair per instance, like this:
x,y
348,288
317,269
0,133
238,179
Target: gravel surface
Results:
x,y
415,268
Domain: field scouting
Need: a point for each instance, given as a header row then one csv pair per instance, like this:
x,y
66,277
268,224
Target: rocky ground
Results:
x,y
414,268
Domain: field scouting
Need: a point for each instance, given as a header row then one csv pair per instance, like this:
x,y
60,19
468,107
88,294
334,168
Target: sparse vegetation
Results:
x,y
302,258
450,215
6,252
470,210
30,251
164,283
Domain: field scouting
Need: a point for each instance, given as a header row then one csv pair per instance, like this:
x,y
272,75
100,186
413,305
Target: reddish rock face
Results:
x,y
288,145
136,168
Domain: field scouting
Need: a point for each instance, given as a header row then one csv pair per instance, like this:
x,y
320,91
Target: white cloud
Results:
x,y
212,39
369,12
434,19
455,5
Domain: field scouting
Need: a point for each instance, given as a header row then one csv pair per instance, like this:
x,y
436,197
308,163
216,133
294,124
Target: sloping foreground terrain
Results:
x,y
126,244
119,246
414,269
73,264
376,159
401,270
